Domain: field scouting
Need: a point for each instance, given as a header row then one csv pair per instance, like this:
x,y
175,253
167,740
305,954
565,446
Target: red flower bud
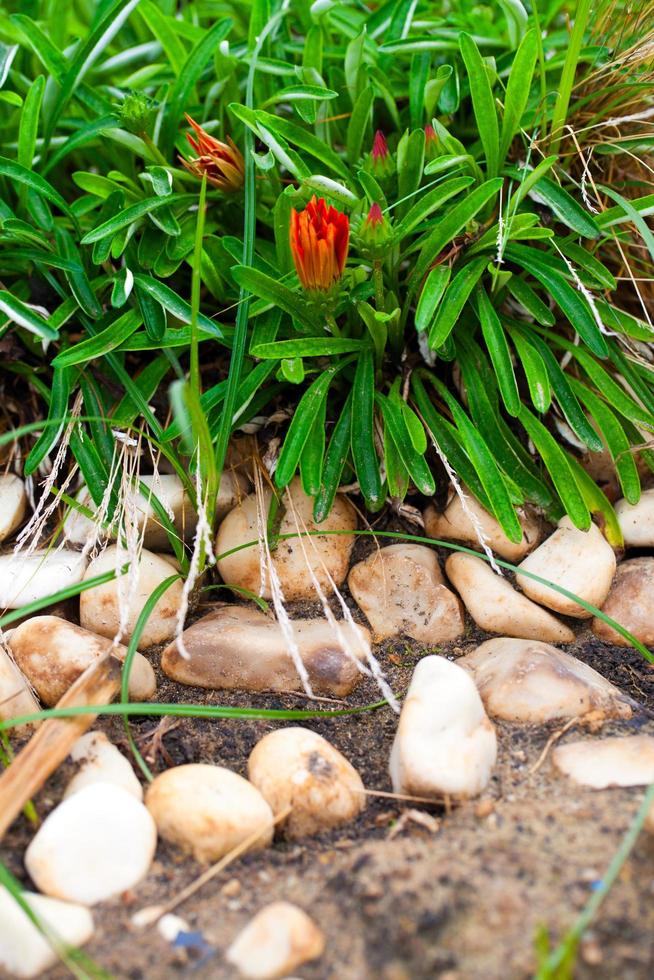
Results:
x,y
431,142
379,147
222,163
380,161
373,233
319,243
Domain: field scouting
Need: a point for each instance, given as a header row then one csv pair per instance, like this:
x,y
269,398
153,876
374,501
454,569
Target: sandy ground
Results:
x,y
462,900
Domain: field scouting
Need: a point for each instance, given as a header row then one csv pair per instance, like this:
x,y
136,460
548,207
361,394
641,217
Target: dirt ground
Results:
x,y
461,901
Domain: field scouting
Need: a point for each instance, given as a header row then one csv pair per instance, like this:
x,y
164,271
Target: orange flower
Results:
x,y
221,162
319,242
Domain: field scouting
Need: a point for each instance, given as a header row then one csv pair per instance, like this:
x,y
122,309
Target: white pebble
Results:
x,y
278,939
96,844
528,681
207,810
100,607
582,562
298,768
459,523
497,607
26,578
13,503
52,653
445,744
637,520
24,950
600,763
401,591
101,762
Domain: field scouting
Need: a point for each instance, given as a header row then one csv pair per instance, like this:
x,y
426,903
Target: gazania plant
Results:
x,y
434,236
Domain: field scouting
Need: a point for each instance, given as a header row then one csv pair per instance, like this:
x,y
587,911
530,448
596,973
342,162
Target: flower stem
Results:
x,y
378,279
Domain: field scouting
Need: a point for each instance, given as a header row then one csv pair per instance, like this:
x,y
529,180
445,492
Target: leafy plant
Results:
x,y
476,314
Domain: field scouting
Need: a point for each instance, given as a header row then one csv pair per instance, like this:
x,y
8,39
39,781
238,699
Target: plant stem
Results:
x,y
378,279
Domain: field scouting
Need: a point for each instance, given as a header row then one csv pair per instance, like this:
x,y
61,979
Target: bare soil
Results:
x,y
462,900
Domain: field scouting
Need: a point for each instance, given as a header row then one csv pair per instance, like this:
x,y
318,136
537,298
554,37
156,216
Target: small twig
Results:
x,y
550,742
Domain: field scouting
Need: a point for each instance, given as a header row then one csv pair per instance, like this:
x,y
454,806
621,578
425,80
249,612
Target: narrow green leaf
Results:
x,y
29,122
107,340
133,213
305,414
518,89
483,103
498,349
364,454
454,300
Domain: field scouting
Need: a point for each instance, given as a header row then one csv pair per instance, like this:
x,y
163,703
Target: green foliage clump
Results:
x,y
478,315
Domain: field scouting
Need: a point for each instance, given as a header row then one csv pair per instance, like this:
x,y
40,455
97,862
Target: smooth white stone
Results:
x,y
528,681
582,562
52,653
400,590
26,578
298,768
497,607
207,810
445,744
100,606
101,762
293,558
599,763
96,844
278,939
456,524
13,504
637,520
24,950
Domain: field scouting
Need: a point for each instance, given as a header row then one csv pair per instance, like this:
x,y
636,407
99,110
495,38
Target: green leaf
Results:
x,y
531,301
29,122
454,300
105,29
415,464
26,317
518,89
574,308
427,203
133,213
99,345
153,314
615,439
274,292
498,349
306,412
482,103
431,295
364,454
450,225
535,371
597,502
566,209
566,398
311,460
13,170
358,123
164,30
174,303
301,93
558,467
193,67
57,418
491,478
337,453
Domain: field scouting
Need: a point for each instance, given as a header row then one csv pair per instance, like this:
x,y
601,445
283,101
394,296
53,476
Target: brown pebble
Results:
x,y
484,808
231,888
